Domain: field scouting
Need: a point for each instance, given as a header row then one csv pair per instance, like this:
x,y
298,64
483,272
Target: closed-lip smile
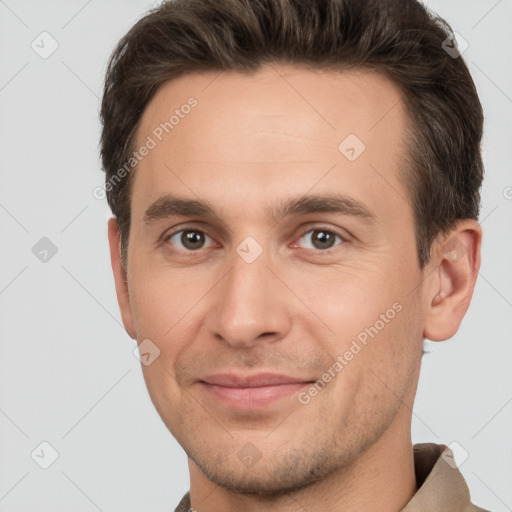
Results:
x,y
245,392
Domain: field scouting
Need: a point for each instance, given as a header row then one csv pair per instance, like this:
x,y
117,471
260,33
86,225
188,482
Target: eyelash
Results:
x,y
342,237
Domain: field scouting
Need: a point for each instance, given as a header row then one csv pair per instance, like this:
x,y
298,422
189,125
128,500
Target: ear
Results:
x,y
123,294
452,272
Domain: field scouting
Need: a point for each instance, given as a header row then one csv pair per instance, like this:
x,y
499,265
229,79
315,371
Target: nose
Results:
x,y
250,305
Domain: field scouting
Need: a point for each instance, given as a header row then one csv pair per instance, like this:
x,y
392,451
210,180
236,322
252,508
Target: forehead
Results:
x,y
282,125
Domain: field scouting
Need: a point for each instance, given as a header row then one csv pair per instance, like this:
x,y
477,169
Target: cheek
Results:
x,y
369,317
382,375
394,354
345,301
160,302
165,307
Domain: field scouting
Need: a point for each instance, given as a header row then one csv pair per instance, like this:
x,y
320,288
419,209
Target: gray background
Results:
x,y
68,375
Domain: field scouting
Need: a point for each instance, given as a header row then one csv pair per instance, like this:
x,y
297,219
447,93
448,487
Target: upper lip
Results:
x,y
251,381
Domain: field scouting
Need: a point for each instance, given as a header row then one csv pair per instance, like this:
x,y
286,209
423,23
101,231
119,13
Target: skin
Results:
x,y
252,142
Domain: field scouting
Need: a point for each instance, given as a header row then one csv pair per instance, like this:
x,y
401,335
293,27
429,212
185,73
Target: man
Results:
x,y
296,193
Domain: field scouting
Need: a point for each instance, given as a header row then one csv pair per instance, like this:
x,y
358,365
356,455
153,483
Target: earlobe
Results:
x,y
122,292
454,270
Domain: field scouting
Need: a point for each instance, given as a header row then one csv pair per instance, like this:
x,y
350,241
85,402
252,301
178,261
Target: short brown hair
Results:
x,y
400,38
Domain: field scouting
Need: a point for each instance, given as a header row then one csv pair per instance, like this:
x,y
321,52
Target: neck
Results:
x,y
381,478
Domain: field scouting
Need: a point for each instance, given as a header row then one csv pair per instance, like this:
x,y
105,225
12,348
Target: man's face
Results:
x,y
249,289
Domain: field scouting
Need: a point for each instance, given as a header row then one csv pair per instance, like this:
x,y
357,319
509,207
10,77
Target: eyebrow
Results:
x,y
172,205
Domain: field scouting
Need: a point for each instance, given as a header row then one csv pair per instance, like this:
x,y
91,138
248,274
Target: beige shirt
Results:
x,y
441,486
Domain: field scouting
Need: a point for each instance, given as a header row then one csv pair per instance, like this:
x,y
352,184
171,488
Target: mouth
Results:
x,y
251,392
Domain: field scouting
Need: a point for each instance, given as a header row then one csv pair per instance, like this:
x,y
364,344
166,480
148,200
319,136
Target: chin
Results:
x,y
267,478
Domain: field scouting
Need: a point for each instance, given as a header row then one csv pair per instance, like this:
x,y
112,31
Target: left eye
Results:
x,y
321,239
191,239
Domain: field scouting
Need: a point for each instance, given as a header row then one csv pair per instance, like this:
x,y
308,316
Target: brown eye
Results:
x,y
188,239
321,239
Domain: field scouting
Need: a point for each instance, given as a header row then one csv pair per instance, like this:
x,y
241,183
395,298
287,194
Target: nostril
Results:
x,y
263,334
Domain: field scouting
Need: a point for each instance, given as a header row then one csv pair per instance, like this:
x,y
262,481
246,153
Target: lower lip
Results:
x,y
252,398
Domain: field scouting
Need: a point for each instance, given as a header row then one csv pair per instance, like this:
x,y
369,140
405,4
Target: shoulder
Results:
x,y
184,504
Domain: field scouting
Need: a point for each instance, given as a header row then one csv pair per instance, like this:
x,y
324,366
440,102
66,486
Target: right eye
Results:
x,y
190,239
